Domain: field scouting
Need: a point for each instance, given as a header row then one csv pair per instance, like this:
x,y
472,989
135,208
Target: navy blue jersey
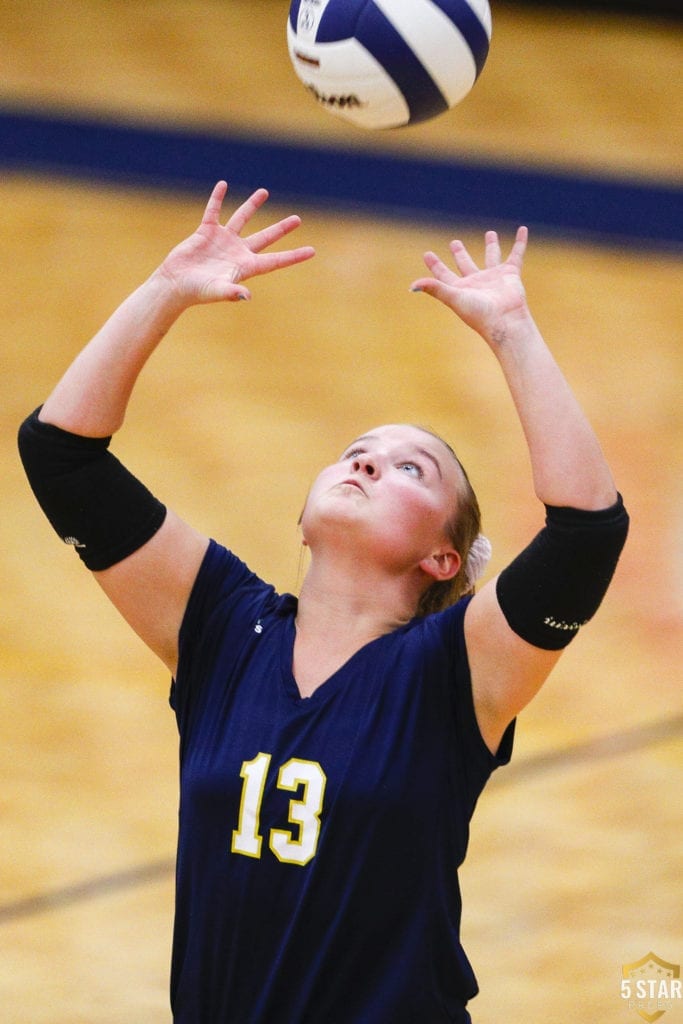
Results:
x,y
320,837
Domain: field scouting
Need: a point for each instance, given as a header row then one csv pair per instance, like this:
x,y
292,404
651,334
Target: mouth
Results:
x,y
352,483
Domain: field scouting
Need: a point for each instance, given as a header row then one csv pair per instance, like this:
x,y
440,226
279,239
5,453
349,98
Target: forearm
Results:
x,y
568,466
92,396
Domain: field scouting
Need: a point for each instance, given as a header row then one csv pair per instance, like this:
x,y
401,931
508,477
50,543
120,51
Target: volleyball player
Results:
x,y
333,747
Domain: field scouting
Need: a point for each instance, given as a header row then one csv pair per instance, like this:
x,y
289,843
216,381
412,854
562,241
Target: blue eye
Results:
x,y
412,468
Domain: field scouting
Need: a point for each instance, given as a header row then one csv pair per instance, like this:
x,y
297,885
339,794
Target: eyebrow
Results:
x,y
432,458
421,451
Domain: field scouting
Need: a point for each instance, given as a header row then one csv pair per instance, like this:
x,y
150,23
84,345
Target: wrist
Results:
x,y
164,294
513,331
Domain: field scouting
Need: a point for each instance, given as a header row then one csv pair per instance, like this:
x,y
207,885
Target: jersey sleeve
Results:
x,y
477,761
226,596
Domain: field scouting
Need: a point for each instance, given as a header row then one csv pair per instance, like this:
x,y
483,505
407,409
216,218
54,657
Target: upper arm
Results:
x,y
151,587
548,592
506,671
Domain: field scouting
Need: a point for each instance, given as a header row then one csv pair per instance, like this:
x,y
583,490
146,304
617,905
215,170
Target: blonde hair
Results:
x,y
463,529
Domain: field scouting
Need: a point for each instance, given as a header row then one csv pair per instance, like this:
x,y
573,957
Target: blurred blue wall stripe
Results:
x,y
453,192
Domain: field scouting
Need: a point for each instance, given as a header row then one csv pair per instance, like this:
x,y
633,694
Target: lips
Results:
x,y
353,483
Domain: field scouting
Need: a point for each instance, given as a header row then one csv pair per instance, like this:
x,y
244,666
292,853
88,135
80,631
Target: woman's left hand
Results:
x,y
485,299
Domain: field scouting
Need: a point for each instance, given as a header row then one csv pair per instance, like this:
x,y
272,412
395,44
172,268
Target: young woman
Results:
x,y
333,747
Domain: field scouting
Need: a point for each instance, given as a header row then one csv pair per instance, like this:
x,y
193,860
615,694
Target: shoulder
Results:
x,y
444,630
446,642
224,584
222,618
433,648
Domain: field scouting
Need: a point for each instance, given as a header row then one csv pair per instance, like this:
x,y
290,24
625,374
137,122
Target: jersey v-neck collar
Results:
x,y
334,682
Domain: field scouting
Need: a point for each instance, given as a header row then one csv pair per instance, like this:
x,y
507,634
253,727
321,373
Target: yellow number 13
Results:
x,y
288,846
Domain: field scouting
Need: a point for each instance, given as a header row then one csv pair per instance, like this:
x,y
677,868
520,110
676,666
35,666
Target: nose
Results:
x,y
364,463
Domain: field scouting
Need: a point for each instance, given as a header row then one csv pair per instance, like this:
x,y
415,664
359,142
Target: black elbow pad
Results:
x,y
558,582
92,501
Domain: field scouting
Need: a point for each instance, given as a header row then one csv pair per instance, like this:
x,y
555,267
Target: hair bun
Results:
x,y
478,558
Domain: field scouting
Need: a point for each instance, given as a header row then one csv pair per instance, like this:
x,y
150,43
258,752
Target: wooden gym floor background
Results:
x,y
575,860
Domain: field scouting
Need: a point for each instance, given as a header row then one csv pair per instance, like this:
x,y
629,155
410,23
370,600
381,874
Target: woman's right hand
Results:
x,y
212,263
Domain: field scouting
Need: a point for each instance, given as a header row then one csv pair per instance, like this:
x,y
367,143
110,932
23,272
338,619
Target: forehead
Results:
x,y
407,435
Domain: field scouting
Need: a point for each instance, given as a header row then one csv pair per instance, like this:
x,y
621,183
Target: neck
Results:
x,y
354,603
342,608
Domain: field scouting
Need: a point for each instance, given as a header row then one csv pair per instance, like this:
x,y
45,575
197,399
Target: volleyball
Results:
x,y
388,63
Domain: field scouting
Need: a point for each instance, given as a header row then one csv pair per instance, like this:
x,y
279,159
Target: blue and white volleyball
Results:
x,y
388,63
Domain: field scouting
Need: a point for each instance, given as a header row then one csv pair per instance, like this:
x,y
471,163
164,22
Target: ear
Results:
x,y
299,523
442,565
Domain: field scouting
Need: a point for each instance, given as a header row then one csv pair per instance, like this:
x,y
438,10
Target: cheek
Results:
x,y
420,510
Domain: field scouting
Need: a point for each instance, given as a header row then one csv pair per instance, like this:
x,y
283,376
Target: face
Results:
x,y
389,496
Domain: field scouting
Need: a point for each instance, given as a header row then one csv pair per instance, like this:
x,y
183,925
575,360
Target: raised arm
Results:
x,y
145,558
518,624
